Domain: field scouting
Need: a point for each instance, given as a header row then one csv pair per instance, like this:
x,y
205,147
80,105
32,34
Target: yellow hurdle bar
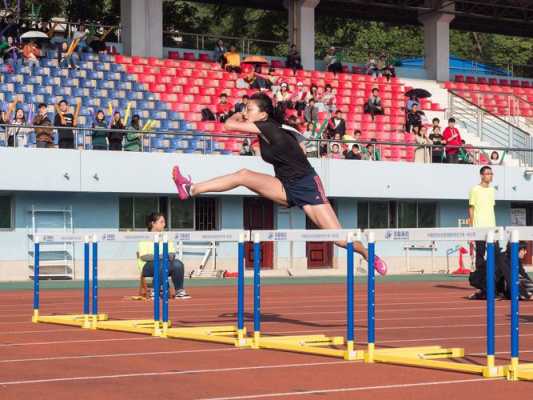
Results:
x,y
142,326
217,334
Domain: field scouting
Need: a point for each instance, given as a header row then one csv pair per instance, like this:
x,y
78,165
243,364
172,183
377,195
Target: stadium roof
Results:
x,y
508,17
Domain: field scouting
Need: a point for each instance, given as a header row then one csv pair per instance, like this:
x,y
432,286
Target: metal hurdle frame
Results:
x,y
516,371
90,317
433,356
312,344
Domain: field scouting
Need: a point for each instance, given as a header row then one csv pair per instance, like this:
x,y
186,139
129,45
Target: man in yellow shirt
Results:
x,y
233,60
481,215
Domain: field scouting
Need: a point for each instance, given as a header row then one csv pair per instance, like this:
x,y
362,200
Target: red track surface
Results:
x,y
56,362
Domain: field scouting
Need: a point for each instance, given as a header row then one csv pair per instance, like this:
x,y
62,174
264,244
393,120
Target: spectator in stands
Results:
x,y
373,105
233,60
176,270
224,108
389,72
311,111
413,119
283,99
241,107
31,54
299,98
337,125
116,135
422,150
371,152
437,154
219,52
452,140
133,138
294,61
66,58
335,151
81,37
311,135
67,120
246,149
43,128
354,153
312,94
333,61
99,137
413,101
12,53
17,136
464,156
372,66
495,158
329,98
381,64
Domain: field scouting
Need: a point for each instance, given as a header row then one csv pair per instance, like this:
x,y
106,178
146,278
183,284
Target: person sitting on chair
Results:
x,y
176,270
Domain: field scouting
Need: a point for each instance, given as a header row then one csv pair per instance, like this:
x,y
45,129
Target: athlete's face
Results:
x,y
486,176
253,114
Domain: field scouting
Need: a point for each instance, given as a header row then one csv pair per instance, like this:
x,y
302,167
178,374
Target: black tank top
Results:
x,y
280,148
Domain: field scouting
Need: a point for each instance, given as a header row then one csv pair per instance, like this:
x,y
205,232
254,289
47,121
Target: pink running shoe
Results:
x,y
182,184
380,266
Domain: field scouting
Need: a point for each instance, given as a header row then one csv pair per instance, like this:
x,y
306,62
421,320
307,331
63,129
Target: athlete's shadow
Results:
x,y
441,286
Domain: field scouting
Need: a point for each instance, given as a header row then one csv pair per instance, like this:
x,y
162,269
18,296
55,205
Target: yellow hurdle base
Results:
x,y
217,334
142,326
81,320
519,372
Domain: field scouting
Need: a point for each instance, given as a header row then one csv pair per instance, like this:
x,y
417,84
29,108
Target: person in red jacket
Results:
x,y
224,108
452,138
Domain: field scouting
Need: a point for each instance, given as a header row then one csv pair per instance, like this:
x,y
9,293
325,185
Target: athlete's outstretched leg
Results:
x,y
264,185
324,217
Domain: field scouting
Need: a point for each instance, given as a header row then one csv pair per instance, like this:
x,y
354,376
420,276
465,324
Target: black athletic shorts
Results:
x,y
304,191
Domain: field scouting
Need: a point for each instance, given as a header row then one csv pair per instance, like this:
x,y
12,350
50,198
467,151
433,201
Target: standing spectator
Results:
x,y
312,94
17,136
99,137
452,140
294,61
219,51
224,108
437,154
241,107
311,111
246,149
114,137
311,135
354,153
329,98
373,105
413,100
64,58
299,98
12,53
31,54
81,36
43,130
65,119
422,151
283,99
333,61
133,138
482,200
337,125
413,119
233,60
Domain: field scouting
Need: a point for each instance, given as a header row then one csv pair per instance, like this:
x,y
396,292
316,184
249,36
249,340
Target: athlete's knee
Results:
x,y
243,174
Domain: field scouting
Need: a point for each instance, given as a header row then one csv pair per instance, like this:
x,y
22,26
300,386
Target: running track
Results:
x,y
56,362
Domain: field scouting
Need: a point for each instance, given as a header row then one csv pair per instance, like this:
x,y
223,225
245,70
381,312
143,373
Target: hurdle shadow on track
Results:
x,y
442,286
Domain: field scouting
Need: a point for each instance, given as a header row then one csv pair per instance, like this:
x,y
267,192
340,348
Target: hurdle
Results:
x,y
435,357
318,344
516,371
89,318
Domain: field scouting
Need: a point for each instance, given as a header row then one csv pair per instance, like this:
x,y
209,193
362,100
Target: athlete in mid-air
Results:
x,y
295,182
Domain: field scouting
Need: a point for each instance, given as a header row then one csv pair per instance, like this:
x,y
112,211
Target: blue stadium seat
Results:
x,y
94,75
117,68
78,92
50,80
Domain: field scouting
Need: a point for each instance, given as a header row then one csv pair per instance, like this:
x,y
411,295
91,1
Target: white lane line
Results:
x,y
352,389
170,373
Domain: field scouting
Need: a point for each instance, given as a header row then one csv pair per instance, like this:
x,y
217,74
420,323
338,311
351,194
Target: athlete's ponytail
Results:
x,y
264,104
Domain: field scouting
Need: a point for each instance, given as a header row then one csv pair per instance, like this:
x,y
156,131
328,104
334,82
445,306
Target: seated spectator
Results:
x,y
299,98
65,57
329,98
381,64
241,107
355,137
233,60
31,54
371,152
452,139
43,130
413,119
372,67
133,138
421,151
68,120
413,101
389,72
246,149
176,270
495,158
312,94
116,135
294,61
337,125
465,156
99,137
354,153
335,152
437,154
283,99
219,52
311,135
333,61
81,37
311,111
259,81
373,105
224,108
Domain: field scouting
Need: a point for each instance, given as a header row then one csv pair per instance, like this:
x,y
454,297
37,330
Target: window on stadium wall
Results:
x,y
396,214
6,212
193,214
